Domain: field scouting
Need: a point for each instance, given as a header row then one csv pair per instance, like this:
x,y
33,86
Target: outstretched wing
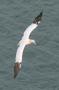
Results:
x,y
28,31
32,26
22,45
18,62
19,52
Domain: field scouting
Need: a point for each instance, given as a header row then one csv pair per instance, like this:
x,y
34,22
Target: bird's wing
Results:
x,y
32,26
29,30
19,53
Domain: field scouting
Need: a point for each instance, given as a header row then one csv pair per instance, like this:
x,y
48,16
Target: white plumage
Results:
x,y
29,30
23,42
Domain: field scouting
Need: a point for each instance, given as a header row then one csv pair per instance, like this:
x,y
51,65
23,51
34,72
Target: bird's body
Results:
x,y
23,42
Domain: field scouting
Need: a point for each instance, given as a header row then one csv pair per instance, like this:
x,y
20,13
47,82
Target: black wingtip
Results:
x,y
38,18
41,13
17,67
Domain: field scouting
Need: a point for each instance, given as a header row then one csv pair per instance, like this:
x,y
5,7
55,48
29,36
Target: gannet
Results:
x,y
25,40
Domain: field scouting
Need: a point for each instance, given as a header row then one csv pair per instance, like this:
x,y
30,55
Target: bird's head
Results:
x,y
32,41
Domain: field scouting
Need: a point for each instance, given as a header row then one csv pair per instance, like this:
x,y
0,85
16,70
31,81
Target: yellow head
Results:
x,y
32,41
27,41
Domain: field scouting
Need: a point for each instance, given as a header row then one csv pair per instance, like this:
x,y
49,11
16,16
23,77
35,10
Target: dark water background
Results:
x,y
40,68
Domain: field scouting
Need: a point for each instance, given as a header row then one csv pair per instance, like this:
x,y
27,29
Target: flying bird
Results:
x,y
25,40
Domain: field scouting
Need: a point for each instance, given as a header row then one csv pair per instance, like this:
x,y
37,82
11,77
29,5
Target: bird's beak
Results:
x,y
34,43
17,68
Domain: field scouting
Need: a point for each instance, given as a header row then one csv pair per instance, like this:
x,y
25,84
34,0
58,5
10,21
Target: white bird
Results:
x,y
25,41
